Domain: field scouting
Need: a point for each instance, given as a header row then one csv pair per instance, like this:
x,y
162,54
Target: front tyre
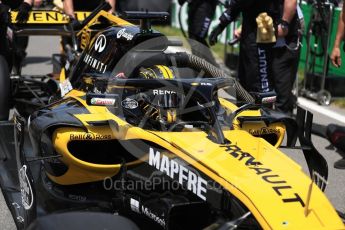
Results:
x,y
5,89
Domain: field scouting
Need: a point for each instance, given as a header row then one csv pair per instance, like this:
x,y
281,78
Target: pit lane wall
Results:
x,y
307,10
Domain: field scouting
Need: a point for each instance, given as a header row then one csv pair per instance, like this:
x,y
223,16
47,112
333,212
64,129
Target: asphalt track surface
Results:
x,y
40,50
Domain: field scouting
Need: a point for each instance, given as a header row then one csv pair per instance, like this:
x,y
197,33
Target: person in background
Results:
x,y
4,21
335,55
23,7
20,43
286,55
200,15
336,61
254,69
37,3
70,6
284,58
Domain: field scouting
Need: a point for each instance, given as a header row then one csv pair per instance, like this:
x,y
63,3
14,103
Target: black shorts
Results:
x,y
86,5
13,4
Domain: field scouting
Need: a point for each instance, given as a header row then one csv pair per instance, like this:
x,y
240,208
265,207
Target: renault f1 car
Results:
x,y
135,130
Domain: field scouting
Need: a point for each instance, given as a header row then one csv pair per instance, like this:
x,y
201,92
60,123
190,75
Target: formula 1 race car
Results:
x,y
137,130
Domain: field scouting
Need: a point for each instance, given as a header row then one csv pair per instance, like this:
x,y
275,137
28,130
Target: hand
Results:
x,y
282,32
335,57
23,12
75,24
238,32
37,3
213,38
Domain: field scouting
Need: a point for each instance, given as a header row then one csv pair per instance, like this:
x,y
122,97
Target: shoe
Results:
x,y
340,164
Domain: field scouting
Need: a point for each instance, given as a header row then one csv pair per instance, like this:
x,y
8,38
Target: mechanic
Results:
x,y
336,61
335,55
254,70
200,14
23,7
70,6
21,43
286,55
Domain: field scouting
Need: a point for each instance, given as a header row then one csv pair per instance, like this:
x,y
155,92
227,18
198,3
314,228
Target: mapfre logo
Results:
x,y
100,43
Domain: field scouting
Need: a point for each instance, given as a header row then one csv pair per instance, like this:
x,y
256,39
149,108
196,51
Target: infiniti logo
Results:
x,y
100,43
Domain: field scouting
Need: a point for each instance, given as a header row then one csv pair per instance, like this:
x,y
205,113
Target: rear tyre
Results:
x,y
5,89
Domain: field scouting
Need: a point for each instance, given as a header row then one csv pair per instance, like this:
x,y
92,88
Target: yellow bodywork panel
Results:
x,y
271,190
270,184
116,20
79,170
62,76
265,189
257,128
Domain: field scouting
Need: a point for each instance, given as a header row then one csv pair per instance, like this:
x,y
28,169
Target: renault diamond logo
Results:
x,y
100,44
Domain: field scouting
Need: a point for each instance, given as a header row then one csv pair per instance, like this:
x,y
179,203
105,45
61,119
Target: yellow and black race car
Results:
x,y
146,133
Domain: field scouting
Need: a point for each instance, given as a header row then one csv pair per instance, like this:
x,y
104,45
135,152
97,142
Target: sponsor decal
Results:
x,y
50,17
205,27
141,209
89,136
45,17
147,212
100,43
267,100
77,197
279,185
95,64
195,183
264,131
129,103
202,83
162,92
25,188
65,87
103,101
263,70
123,34
135,206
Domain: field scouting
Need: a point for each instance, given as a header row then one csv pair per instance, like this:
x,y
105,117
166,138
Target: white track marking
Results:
x,y
321,109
